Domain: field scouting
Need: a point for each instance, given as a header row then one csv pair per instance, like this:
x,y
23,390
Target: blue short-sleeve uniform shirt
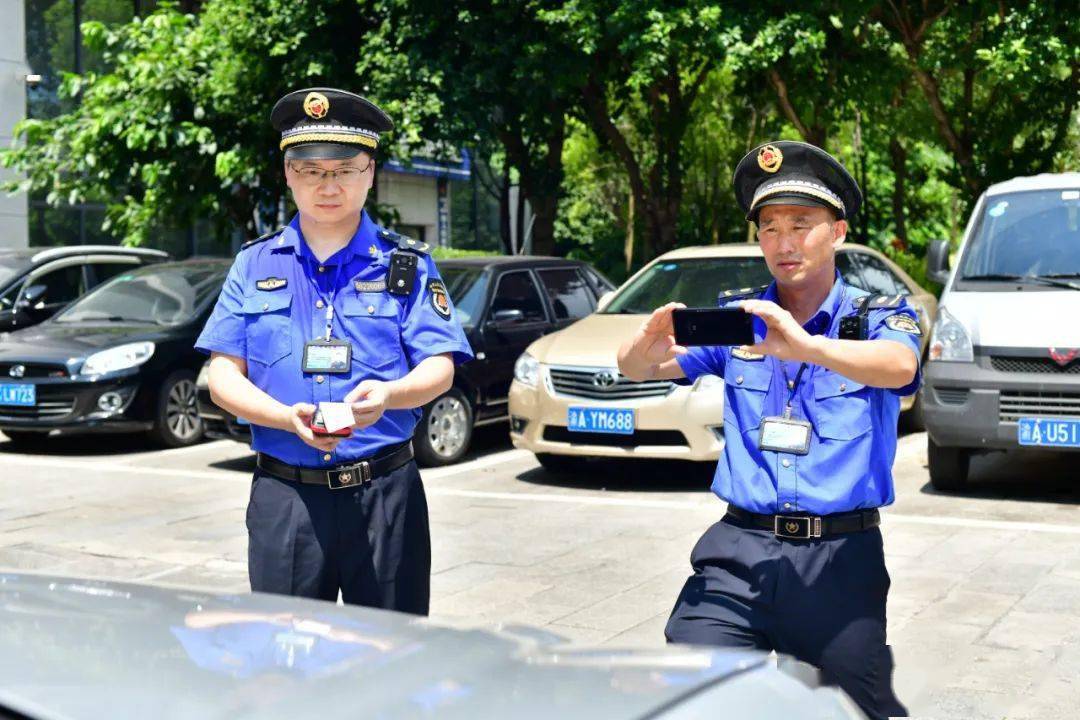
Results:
x,y
853,441
274,301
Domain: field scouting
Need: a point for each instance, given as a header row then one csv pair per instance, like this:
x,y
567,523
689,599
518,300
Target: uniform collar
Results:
x,y
362,240
830,306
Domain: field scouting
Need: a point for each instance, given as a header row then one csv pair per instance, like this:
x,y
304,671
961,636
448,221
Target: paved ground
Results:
x,y
984,611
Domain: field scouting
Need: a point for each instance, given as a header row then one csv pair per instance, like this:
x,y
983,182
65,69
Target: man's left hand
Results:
x,y
785,338
369,401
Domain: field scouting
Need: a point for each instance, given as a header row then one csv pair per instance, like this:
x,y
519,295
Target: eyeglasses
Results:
x,y
313,176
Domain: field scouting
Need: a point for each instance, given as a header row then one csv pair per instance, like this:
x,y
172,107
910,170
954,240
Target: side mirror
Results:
x,y
507,317
937,261
31,295
604,300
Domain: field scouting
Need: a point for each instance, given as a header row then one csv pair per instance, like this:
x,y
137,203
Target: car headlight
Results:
x,y
949,340
118,358
527,370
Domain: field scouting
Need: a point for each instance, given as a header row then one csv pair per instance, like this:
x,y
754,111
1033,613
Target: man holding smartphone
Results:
x,y
797,565
327,337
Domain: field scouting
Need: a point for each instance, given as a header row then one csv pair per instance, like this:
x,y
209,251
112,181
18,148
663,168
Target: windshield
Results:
x,y
467,286
695,282
1025,234
158,295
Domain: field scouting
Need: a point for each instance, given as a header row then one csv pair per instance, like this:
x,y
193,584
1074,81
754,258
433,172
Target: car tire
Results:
x,y
948,466
176,420
560,464
445,430
26,439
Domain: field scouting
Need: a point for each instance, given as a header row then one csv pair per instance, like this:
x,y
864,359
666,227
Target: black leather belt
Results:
x,y
805,527
339,476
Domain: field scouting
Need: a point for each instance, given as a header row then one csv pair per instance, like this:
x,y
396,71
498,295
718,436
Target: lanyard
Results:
x,y
793,385
329,299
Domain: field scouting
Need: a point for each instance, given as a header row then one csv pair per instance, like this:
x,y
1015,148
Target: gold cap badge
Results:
x,y
769,158
316,105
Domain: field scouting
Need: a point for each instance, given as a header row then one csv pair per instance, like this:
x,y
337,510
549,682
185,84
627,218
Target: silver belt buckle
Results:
x,y
796,527
351,476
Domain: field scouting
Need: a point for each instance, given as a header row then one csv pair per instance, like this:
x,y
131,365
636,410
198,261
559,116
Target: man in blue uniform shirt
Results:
x,y
796,565
334,309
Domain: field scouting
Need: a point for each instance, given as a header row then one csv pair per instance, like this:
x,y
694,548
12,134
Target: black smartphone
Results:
x,y
713,326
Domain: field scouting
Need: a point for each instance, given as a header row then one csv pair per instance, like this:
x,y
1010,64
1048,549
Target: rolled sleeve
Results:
x,y
884,328
225,330
431,326
700,361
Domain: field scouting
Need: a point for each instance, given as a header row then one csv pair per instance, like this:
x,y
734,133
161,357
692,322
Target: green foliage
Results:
x,y
445,253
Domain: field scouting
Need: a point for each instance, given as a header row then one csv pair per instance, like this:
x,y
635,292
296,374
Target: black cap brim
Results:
x,y
788,199
322,151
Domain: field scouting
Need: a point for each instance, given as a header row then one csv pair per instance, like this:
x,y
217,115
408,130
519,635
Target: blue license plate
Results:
x,y
1047,432
619,421
21,395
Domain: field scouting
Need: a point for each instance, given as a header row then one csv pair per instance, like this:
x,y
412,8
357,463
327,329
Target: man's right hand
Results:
x,y
655,341
300,416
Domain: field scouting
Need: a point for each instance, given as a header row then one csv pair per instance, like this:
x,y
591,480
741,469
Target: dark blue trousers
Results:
x,y
371,542
822,601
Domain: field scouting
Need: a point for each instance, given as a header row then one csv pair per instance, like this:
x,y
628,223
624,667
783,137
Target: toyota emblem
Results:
x,y
17,371
603,379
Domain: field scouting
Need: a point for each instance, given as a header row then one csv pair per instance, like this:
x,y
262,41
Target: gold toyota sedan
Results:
x,y
572,372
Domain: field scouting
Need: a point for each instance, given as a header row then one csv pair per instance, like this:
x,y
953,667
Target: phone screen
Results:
x,y
713,326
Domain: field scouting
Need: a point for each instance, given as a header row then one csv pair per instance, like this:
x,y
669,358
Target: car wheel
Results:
x,y
25,439
445,430
560,464
948,466
177,422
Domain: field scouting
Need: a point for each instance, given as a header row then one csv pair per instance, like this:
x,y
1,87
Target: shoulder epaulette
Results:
x,y
878,301
404,243
262,238
728,295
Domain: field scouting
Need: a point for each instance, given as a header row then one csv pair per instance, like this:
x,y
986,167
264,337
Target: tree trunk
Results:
x,y
544,210
899,166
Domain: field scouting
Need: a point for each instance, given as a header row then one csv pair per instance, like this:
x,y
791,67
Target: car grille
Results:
x,y
33,370
48,407
584,383
1015,405
1032,365
557,433
952,396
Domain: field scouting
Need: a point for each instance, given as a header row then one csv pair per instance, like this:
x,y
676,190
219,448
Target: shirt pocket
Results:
x,y
268,326
372,321
843,407
747,385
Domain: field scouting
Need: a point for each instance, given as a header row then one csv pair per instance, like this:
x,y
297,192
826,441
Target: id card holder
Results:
x,y
786,435
327,356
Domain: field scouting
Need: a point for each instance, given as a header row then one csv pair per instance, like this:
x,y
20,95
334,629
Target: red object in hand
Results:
x,y
319,427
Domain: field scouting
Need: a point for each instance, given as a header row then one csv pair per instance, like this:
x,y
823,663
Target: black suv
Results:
x,y
503,303
37,282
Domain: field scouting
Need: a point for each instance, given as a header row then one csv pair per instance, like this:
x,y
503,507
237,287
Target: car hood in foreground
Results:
x,y
91,649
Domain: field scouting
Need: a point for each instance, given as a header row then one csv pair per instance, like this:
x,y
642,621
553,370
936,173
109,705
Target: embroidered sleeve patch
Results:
x,y
903,323
439,299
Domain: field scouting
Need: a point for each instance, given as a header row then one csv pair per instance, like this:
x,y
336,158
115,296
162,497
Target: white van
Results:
x,y
1003,366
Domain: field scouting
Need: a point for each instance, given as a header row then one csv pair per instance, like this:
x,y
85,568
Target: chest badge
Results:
x,y
271,283
369,285
745,354
439,299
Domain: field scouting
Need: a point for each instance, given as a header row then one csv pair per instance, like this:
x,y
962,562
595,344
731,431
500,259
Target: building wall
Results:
x,y
13,70
416,201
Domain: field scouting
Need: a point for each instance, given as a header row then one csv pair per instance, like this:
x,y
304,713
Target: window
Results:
x,y
600,283
880,278
849,270
103,271
695,282
61,286
569,295
517,291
